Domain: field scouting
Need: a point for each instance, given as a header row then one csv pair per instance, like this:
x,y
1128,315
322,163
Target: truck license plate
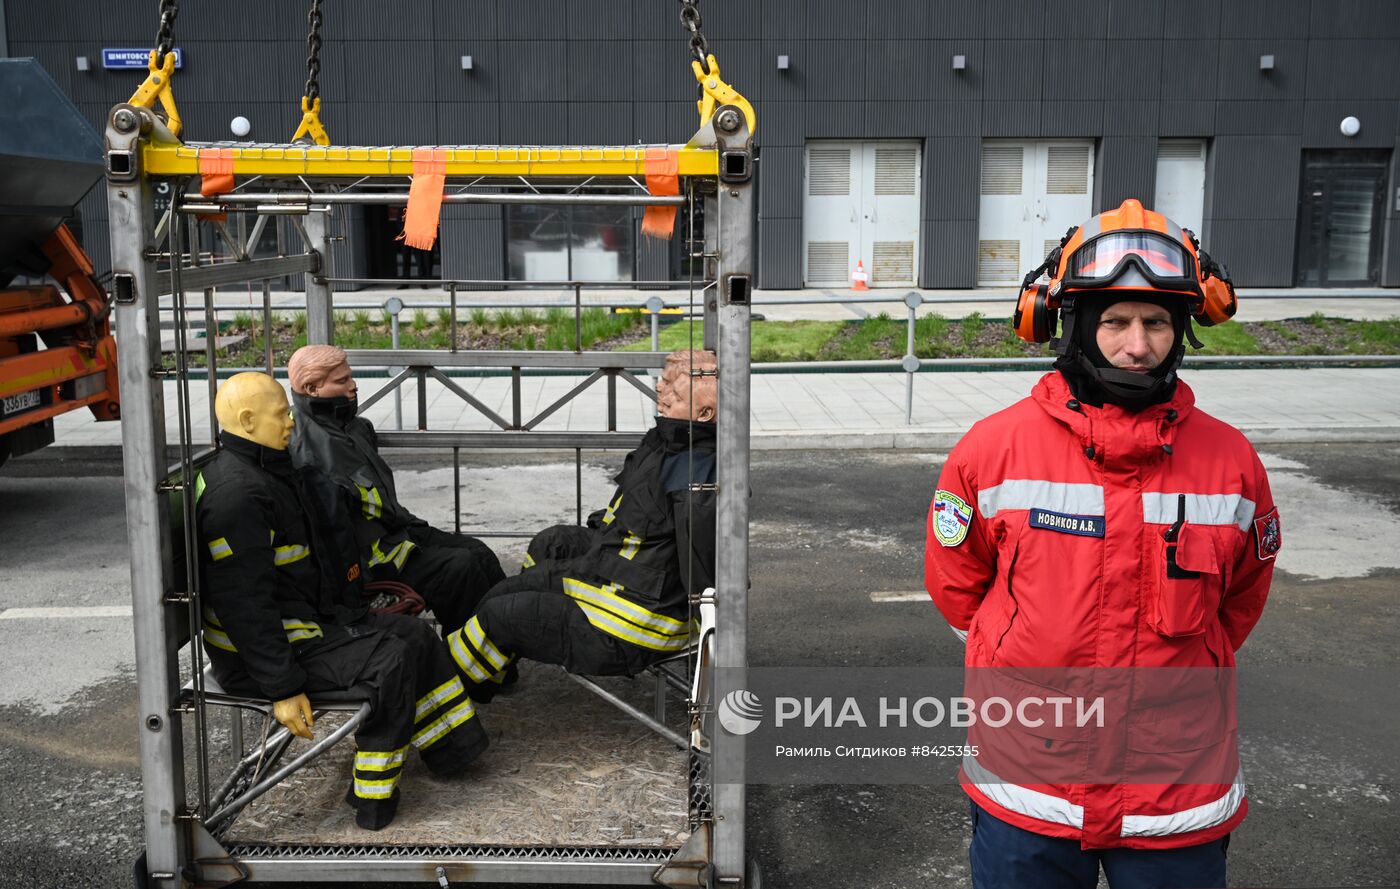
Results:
x,y
13,404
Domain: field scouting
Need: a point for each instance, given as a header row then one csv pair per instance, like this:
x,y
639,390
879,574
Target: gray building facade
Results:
x,y
972,90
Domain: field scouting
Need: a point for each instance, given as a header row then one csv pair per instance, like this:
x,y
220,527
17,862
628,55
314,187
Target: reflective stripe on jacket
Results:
x,y
1048,543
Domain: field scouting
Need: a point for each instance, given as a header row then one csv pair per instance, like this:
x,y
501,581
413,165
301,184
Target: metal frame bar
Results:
x,y
154,625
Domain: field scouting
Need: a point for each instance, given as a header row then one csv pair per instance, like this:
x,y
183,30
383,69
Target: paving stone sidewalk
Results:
x,y
867,410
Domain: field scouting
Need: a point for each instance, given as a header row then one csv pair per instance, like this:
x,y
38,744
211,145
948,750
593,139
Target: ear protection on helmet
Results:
x,y
1036,314
1219,303
1038,309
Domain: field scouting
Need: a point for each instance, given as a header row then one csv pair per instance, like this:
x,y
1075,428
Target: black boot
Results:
x,y
373,814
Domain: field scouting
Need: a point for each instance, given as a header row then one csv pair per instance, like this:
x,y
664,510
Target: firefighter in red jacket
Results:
x,y
1106,540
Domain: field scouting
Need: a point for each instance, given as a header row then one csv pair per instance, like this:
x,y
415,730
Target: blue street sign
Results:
x,y
134,58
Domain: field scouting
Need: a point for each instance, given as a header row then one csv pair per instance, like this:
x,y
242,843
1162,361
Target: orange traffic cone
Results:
x,y
859,277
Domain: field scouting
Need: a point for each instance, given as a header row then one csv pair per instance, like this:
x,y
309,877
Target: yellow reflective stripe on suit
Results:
x,y
611,512
286,555
370,761
378,789
614,626
630,544
370,502
299,630
437,697
219,548
484,645
475,669
218,638
397,555
627,620
437,729
528,562
605,597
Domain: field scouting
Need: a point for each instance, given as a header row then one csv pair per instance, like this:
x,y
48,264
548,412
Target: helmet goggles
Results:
x,y
1110,259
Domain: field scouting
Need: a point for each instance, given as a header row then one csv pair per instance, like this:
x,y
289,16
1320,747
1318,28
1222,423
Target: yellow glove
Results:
x,y
295,714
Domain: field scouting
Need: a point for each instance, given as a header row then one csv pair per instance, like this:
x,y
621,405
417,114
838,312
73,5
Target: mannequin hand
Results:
x,y
295,714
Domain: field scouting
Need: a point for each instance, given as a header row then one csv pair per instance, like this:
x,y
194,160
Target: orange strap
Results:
x,y
662,166
215,171
424,212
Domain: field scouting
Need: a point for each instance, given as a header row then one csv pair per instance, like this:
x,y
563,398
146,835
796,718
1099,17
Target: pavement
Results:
x,y
867,410
841,409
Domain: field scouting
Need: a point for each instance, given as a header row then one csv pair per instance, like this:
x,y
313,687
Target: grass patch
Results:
x,y
879,338
1230,338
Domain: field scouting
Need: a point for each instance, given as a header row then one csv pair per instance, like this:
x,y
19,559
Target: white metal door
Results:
x,y
862,205
890,213
1032,192
1181,182
831,213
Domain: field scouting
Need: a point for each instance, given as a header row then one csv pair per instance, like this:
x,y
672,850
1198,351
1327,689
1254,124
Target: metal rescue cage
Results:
x,y
151,256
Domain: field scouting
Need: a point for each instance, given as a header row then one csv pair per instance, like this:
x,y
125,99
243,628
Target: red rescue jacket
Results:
x,y
1048,547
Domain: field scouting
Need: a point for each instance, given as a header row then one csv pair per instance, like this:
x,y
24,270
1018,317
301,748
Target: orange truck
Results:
x,y
56,347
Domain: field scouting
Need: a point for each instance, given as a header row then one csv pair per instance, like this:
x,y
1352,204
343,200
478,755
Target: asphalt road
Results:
x,y
828,529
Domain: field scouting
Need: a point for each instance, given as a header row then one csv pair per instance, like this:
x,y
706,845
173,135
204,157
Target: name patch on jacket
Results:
x,y
1083,525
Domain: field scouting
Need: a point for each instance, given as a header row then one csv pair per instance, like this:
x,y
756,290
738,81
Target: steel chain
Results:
x,y
699,46
165,35
313,52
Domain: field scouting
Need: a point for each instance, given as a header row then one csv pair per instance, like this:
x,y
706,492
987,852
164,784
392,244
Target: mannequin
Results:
x,y
450,571
614,597
284,614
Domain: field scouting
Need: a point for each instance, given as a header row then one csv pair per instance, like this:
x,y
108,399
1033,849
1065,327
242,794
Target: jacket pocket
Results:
x,y
1186,571
642,581
1000,630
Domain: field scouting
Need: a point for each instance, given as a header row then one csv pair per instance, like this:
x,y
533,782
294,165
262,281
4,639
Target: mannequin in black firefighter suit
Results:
x,y
614,598
450,571
283,613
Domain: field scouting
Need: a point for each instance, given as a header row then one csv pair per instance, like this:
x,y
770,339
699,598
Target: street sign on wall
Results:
x,y
121,59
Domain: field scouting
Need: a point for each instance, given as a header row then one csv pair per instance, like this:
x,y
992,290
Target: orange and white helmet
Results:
x,y
1130,248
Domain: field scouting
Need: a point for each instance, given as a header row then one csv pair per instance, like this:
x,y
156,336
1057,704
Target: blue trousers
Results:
x,y
1007,857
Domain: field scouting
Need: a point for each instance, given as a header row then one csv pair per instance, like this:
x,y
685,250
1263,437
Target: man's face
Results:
x,y
1135,336
338,382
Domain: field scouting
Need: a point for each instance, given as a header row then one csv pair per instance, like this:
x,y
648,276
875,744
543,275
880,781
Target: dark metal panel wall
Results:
x,y
1254,206
1126,168
949,256
1125,72
780,187
951,177
780,254
473,249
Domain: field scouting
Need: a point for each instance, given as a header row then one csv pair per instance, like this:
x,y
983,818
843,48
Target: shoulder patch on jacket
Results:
x,y
951,518
1268,535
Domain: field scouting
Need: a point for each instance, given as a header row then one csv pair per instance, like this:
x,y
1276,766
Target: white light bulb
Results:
x,y
240,126
1350,126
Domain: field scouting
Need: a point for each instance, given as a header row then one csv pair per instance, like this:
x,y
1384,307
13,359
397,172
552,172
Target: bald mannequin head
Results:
x,y
681,396
254,406
321,372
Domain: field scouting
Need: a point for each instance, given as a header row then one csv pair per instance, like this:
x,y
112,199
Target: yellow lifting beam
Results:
x,y
172,159
156,87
